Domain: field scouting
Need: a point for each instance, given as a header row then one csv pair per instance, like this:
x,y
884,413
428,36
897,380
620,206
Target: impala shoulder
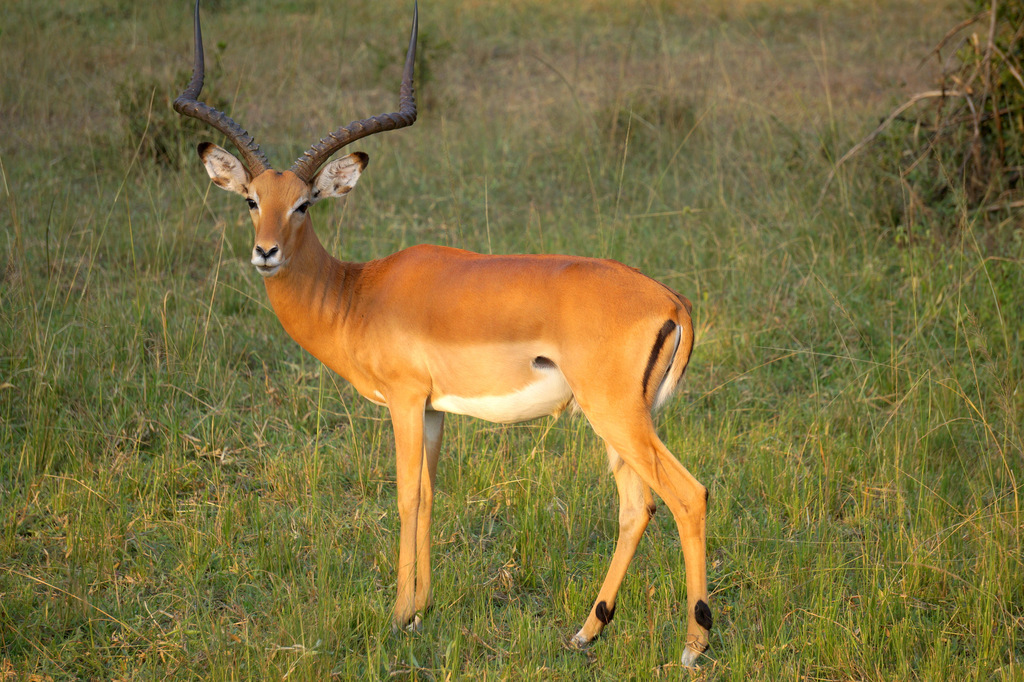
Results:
x,y
435,251
424,258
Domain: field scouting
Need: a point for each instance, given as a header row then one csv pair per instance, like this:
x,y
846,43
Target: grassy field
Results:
x,y
185,494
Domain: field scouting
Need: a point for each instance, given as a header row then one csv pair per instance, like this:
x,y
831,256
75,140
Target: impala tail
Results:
x,y
669,355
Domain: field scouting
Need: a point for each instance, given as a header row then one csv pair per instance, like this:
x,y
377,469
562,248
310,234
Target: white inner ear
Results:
x,y
338,177
225,170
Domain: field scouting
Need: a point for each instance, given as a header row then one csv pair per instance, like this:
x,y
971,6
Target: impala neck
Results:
x,y
307,297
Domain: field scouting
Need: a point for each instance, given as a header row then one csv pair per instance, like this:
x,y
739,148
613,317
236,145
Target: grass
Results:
x,y
185,494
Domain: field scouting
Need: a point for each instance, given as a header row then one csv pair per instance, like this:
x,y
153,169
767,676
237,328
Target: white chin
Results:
x,y
268,271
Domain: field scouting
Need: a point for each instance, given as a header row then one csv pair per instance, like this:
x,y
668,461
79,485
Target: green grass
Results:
x,y
185,494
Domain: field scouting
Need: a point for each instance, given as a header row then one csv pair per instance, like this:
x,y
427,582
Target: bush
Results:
x,y
966,137
977,128
151,126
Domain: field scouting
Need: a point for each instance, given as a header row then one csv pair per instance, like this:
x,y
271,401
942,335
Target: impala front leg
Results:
x,y
433,424
407,420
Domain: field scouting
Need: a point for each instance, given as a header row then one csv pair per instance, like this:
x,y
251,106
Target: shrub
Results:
x,y
966,137
150,124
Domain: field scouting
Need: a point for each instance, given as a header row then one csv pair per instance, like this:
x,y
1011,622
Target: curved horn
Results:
x,y
187,105
308,164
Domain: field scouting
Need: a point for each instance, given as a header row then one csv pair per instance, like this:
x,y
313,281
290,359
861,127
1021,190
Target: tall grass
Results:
x,y
185,494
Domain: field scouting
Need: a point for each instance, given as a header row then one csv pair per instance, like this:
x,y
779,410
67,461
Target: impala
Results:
x,y
430,330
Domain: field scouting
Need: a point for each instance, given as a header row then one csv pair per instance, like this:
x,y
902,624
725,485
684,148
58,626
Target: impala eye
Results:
x,y
252,204
301,208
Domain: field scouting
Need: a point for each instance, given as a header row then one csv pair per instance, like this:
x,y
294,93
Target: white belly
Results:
x,y
549,394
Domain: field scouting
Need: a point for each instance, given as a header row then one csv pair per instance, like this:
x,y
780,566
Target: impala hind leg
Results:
x,y
433,425
686,498
636,506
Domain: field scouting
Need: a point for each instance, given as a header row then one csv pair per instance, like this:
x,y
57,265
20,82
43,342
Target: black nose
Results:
x,y
265,254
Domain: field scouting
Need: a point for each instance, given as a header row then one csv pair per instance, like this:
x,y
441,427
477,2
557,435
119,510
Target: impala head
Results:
x,y
279,202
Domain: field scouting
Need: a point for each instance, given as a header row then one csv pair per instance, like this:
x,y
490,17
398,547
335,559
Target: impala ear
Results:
x,y
337,178
224,169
